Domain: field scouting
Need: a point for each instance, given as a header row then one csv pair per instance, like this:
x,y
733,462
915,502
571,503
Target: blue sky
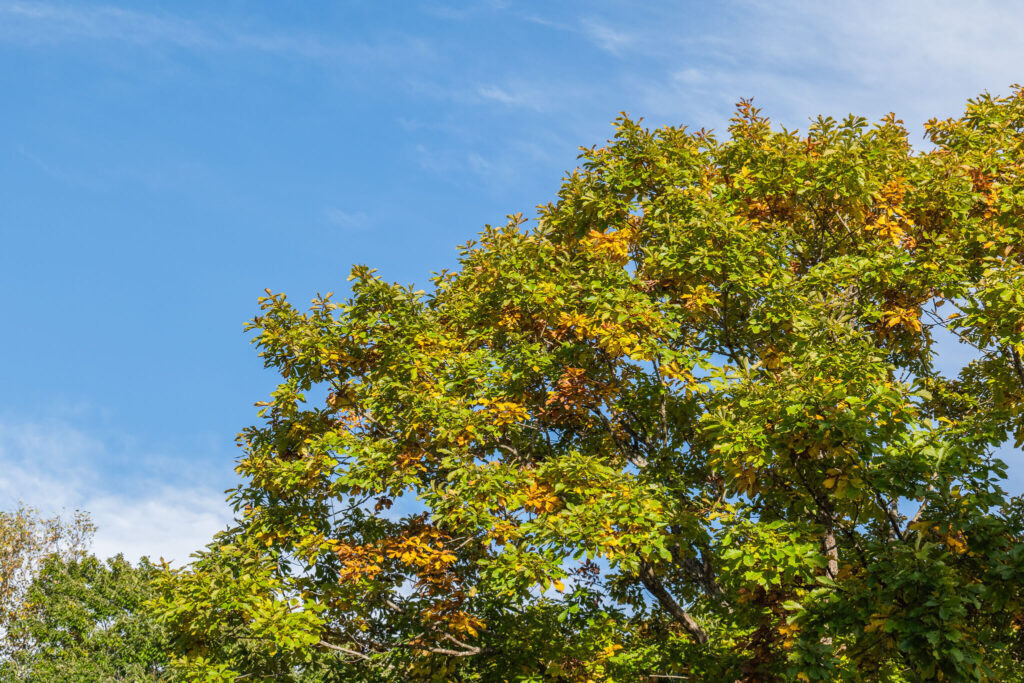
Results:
x,y
162,163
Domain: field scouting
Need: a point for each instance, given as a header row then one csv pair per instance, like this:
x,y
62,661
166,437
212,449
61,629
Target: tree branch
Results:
x,y
443,650
1017,366
653,584
344,650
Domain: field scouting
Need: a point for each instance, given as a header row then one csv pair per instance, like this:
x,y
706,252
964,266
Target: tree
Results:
x,y
26,540
693,423
85,621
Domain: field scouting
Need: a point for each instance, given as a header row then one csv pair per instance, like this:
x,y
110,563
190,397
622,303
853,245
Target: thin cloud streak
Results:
x,y
39,24
464,11
610,40
347,220
515,96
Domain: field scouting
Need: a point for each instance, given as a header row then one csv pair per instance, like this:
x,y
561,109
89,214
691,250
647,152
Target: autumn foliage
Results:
x,y
698,420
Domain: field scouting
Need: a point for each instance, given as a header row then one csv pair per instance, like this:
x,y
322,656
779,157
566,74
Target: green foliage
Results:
x,y
85,621
689,424
27,539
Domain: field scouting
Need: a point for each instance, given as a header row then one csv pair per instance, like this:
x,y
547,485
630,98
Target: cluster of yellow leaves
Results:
x,y
834,476
269,538
838,481
311,546
772,358
501,412
541,498
613,245
436,343
891,222
610,540
788,633
954,539
467,435
617,339
674,370
905,317
744,480
452,616
575,323
617,342
992,196
877,620
510,318
411,461
426,552
573,395
699,298
358,562
502,531
889,229
461,622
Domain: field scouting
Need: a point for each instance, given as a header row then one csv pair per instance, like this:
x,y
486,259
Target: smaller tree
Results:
x,y
26,540
85,620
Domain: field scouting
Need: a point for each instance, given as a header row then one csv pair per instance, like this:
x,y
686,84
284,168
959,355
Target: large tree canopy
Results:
x,y
696,422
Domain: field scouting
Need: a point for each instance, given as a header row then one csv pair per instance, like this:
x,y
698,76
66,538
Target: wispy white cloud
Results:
x,y
919,59
544,96
546,22
516,95
468,168
675,64
162,522
606,37
347,220
37,22
496,168
597,31
479,164
466,10
55,466
44,23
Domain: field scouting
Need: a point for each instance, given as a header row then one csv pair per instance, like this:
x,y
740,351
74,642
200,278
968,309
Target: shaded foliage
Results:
x,y
85,620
